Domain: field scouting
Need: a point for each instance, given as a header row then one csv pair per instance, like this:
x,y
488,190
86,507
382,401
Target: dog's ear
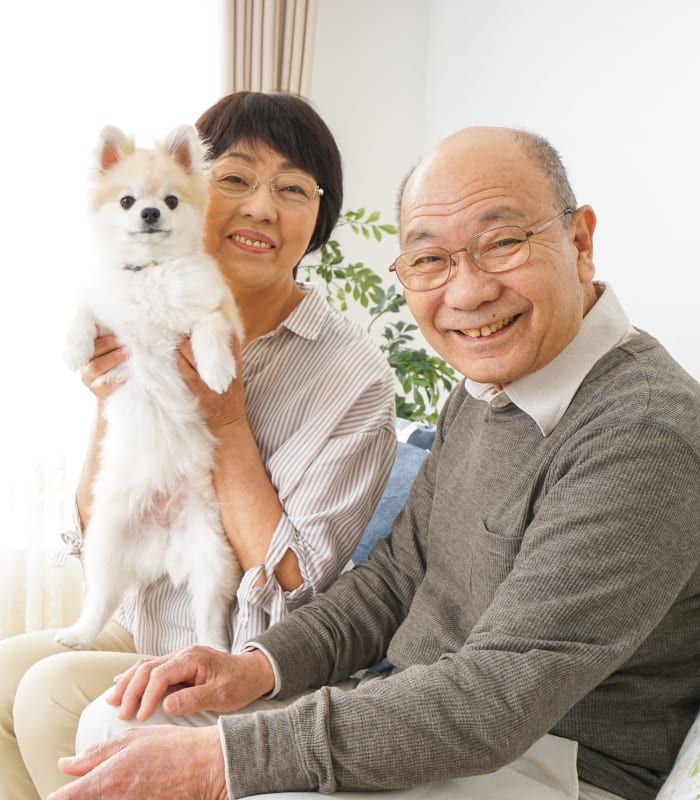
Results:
x,y
186,147
114,145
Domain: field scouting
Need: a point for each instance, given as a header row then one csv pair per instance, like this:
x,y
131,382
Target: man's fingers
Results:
x,y
177,670
83,763
74,765
121,682
189,700
140,689
154,692
130,687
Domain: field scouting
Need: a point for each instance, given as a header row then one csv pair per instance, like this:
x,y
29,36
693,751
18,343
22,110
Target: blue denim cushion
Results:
x,y
406,465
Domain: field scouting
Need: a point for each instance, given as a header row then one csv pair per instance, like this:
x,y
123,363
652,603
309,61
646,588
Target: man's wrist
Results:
x,y
214,763
268,667
222,744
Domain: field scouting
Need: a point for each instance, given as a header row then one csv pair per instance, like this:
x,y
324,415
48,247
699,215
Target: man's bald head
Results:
x,y
492,140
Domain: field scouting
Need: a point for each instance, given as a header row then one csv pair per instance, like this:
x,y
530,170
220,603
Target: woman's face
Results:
x,y
255,239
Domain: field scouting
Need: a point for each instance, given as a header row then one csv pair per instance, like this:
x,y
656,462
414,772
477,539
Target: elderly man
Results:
x,y
538,596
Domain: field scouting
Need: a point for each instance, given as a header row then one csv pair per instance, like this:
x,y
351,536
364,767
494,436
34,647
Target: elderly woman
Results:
x,y
305,441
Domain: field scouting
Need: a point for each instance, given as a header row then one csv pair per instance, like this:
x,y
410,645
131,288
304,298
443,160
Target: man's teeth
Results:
x,y
251,242
475,333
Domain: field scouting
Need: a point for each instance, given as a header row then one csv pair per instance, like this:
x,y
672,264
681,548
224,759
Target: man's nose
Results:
x,y
468,286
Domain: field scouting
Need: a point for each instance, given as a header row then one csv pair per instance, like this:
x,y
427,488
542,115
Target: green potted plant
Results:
x,y
422,379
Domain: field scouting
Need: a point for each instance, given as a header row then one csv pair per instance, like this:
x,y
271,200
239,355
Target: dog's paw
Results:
x,y
211,347
77,354
79,345
69,637
218,374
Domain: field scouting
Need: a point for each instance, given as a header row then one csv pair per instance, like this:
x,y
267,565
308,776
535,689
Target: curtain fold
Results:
x,y
36,500
272,45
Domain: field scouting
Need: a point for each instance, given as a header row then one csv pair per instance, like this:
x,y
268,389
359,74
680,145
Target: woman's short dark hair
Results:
x,y
288,124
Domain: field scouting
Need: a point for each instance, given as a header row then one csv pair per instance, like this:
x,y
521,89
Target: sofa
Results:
x,y
683,782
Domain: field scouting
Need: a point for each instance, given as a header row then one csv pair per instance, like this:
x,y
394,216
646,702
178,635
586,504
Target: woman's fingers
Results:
x,y
107,356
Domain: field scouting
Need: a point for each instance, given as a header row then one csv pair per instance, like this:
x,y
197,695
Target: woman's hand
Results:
x,y
159,762
106,358
215,681
220,410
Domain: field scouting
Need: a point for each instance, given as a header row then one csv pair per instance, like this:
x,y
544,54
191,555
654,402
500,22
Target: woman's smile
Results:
x,y
252,241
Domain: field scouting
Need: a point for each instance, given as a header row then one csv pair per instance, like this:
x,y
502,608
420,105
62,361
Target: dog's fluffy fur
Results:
x,y
154,510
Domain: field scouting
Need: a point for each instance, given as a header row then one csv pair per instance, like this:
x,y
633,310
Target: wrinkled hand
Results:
x,y
109,354
214,681
220,410
159,762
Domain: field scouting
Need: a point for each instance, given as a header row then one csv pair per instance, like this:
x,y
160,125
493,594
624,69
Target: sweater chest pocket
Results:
x,y
493,555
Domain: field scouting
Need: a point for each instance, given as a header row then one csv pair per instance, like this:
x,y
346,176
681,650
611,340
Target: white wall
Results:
x,y
369,85
613,85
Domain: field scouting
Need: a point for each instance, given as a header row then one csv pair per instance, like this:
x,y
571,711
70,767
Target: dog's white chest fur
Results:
x,y
154,509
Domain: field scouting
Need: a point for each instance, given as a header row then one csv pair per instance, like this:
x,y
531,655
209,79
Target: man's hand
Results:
x,y
214,681
159,762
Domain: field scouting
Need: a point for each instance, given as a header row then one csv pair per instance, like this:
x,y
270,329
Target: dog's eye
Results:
x,y
171,201
127,201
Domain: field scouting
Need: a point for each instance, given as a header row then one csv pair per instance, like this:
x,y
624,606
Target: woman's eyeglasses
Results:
x,y
287,188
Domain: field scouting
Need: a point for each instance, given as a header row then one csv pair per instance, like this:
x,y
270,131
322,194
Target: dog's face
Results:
x,y
149,204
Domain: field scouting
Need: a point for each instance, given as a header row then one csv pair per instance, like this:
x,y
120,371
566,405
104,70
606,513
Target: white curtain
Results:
x,y
36,498
272,44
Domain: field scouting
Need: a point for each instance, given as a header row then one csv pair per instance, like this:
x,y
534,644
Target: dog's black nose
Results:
x,y
150,215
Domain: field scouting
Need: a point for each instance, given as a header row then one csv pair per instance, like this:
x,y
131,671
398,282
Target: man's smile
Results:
x,y
487,330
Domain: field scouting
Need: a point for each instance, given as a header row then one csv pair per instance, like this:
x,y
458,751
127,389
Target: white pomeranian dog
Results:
x,y
154,509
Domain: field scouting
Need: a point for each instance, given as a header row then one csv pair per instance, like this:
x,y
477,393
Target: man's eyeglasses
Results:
x,y
495,250
287,188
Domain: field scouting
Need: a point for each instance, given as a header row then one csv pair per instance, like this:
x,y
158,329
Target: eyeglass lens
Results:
x,y
288,188
495,250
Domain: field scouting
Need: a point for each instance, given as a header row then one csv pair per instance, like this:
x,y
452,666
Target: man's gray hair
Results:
x,y
549,161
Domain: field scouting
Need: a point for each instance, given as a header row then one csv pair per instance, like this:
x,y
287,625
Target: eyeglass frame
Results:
x,y
254,185
452,262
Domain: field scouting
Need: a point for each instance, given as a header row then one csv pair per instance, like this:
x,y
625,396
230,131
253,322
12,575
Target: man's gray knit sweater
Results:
x,y
532,584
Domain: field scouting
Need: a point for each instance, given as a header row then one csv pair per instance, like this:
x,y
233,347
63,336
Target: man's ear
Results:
x,y
583,223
